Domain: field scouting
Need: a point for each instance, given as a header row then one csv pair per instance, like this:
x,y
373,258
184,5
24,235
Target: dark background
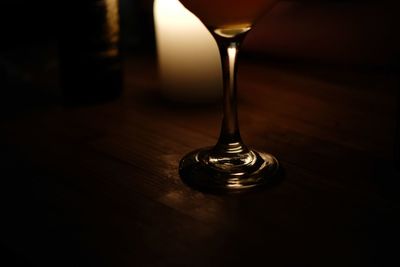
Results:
x,y
337,35
346,32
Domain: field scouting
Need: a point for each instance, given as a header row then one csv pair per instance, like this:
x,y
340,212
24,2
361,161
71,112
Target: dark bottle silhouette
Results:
x,y
90,62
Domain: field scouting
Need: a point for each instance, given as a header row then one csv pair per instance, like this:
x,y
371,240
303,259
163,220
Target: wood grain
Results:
x,y
99,185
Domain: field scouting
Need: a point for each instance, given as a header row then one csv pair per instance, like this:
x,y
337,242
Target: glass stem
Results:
x,y
229,140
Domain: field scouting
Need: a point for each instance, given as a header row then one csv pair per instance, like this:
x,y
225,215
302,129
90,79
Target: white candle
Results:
x,y
189,62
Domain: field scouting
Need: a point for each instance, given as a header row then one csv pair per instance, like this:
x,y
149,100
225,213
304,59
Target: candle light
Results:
x,y
189,63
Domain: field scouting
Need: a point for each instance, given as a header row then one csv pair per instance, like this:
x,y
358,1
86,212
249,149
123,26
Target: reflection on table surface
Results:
x,y
98,184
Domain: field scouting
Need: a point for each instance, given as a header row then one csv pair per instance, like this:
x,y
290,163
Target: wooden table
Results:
x,y
99,186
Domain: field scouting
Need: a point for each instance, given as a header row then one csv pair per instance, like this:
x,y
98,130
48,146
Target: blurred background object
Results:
x,y
188,57
77,42
90,63
137,26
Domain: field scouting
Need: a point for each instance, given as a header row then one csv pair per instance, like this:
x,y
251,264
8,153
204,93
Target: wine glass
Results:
x,y
229,166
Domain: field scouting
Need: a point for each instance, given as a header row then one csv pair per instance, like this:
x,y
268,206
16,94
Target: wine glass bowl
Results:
x,y
229,166
228,14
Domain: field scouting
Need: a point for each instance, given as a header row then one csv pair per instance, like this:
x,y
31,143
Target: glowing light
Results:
x,y
188,56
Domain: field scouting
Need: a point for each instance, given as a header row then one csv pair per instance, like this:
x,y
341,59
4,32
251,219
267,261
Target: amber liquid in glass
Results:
x,y
228,16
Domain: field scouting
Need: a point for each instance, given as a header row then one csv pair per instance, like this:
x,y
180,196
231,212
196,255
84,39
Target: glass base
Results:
x,y
227,173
